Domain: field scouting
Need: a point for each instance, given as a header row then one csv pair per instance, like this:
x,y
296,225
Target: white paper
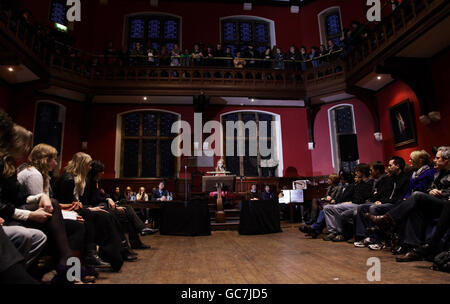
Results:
x,y
69,215
291,196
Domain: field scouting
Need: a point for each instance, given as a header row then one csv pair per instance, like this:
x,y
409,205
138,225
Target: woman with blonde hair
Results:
x,y
35,181
423,174
101,227
220,167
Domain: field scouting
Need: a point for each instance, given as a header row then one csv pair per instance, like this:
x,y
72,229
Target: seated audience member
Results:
x,y
129,193
175,55
314,54
141,195
137,54
101,227
228,54
423,174
117,196
383,185
412,213
303,56
250,54
238,61
16,140
333,212
267,56
208,54
336,194
218,53
197,55
125,215
186,58
164,56
278,57
151,53
12,270
253,193
293,55
267,195
383,201
333,192
42,215
323,53
34,179
160,194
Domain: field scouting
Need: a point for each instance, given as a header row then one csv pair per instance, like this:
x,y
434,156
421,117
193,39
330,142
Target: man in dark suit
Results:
x,y
267,195
382,189
386,199
160,194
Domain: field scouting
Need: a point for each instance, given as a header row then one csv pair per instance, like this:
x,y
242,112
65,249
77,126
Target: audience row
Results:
x,y
382,208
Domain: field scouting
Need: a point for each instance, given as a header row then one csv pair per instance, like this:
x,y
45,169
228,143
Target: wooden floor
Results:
x,y
226,257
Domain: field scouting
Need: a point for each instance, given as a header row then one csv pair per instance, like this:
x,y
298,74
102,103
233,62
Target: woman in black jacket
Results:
x,y
101,227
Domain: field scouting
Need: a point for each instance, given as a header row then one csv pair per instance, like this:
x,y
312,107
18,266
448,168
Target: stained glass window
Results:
x,y
248,165
333,29
154,29
229,31
157,29
344,120
58,12
239,33
146,144
333,25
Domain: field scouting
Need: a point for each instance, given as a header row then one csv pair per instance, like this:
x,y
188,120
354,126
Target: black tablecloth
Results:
x,y
180,219
259,217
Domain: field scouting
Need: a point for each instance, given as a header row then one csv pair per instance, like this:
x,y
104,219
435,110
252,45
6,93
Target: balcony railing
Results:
x,y
383,35
76,66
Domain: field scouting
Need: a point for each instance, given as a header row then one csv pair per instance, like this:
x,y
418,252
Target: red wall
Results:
x,y
435,134
369,149
102,131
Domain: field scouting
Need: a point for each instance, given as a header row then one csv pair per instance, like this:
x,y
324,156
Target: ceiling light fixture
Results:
x,y
145,98
10,69
379,77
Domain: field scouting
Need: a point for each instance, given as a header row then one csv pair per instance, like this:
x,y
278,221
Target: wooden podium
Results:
x,y
218,183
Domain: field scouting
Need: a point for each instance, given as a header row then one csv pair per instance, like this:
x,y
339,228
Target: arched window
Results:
x,y
146,141
330,25
240,31
49,124
344,144
155,29
260,164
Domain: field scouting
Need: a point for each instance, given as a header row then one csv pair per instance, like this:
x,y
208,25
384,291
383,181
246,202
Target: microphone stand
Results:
x,y
185,186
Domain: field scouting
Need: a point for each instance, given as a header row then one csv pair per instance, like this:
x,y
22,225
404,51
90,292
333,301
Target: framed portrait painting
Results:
x,y
402,124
